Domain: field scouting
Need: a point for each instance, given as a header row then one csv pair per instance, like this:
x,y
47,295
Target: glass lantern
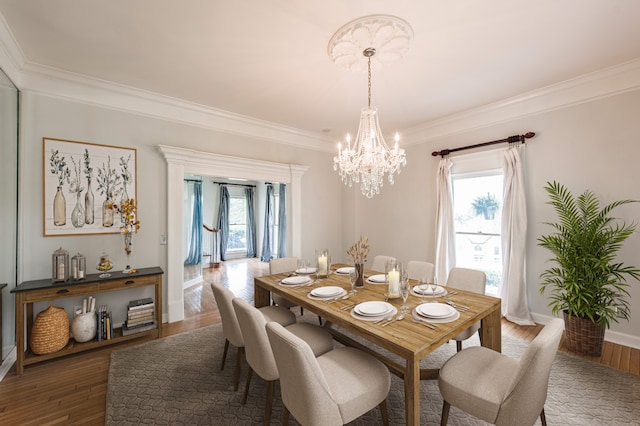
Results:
x,y
78,267
393,272
60,265
323,263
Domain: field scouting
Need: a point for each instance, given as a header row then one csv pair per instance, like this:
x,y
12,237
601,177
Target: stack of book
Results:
x,y
141,316
105,323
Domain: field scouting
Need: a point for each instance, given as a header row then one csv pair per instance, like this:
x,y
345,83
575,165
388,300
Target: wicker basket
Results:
x,y
583,336
50,331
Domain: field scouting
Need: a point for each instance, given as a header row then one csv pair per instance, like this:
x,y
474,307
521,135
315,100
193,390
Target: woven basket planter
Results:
x,y
50,331
583,336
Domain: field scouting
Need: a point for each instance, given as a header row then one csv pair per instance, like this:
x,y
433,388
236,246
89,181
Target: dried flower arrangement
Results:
x,y
359,250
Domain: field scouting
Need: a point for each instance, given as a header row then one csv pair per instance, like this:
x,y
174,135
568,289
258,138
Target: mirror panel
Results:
x,y
8,206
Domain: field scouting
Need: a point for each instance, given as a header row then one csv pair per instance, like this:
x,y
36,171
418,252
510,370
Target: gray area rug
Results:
x,y
177,381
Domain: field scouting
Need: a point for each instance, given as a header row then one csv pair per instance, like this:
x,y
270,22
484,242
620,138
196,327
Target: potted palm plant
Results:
x,y
586,282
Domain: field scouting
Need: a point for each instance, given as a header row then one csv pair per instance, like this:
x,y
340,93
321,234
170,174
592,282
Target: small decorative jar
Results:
x,y
78,267
60,265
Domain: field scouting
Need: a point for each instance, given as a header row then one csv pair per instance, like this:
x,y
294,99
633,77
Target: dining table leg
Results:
x,y
261,296
491,329
412,392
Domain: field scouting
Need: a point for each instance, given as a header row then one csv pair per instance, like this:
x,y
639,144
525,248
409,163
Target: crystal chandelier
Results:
x,y
368,159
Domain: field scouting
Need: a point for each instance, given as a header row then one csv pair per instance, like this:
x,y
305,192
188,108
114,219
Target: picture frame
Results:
x,y
81,181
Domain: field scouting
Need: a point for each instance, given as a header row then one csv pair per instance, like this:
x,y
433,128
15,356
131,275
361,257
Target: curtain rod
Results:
x,y
510,139
234,184
193,180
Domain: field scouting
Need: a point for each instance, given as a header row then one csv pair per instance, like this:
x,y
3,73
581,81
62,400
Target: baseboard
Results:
x,y
192,282
7,363
609,336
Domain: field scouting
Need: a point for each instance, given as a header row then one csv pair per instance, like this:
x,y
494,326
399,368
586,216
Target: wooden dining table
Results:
x,y
409,341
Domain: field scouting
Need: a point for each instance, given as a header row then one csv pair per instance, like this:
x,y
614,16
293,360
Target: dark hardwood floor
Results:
x,y
72,390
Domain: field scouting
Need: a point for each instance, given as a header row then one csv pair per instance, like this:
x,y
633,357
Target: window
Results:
x,y
276,218
477,207
237,223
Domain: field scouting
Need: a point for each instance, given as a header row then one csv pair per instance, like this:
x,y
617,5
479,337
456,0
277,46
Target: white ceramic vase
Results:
x,y
84,327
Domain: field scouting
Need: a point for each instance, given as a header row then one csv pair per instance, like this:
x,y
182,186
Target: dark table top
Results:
x,y
91,278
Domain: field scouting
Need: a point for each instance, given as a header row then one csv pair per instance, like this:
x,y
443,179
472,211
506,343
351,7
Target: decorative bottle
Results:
x,y
59,208
89,214
77,215
107,213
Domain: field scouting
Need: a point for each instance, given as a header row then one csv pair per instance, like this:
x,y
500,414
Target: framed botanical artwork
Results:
x,y
82,181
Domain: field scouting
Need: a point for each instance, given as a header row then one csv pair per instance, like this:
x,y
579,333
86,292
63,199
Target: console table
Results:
x,y
30,292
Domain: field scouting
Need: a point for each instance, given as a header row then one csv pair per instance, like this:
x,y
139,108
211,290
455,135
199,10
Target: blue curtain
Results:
x,y
282,221
251,223
268,226
194,254
223,221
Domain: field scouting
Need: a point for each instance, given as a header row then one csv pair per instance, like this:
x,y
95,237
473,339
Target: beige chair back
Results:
x,y
230,326
467,279
256,343
418,270
305,391
283,264
380,262
529,393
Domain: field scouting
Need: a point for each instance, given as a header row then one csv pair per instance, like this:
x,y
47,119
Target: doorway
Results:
x,y
181,161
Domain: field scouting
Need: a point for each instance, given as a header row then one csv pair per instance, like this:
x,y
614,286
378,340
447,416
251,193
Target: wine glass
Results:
x,y
353,278
405,287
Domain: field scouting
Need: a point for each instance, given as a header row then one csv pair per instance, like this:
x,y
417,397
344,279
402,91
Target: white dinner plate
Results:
x,y
435,310
378,279
450,318
295,280
328,291
306,270
360,317
346,270
374,308
424,290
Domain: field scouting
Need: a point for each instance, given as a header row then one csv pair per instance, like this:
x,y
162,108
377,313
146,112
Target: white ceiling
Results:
x,y
268,59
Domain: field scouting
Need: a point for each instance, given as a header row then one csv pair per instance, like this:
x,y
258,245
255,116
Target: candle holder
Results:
x,y
323,262
60,265
78,267
393,272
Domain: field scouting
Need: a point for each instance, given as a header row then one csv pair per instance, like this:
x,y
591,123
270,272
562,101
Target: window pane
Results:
x,y
477,209
237,224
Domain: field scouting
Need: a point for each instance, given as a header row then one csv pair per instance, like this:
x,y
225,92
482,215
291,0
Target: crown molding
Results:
x,y
52,82
600,84
66,85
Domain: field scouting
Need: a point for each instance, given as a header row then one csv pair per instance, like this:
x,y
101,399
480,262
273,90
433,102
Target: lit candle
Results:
x,y
394,283
322,264
61,271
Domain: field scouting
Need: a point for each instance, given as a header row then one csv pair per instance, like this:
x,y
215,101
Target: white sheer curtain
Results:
x,y
445,237
513,290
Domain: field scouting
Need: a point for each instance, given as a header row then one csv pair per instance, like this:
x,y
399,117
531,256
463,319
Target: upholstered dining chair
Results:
x,y
499,389
418,269
278,266
380,262
258,350
469,280
332,389
231,327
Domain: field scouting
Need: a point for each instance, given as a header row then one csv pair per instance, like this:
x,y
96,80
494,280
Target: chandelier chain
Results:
x,y
369,87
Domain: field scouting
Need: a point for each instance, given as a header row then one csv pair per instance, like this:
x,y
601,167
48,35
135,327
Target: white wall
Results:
x,y
591,145
588,146
43,116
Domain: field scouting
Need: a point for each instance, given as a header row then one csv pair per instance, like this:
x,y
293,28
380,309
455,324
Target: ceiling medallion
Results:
x,y
389,35
369,159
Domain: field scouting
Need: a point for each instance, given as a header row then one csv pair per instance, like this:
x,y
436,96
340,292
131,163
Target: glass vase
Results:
x,y
77,215
127,248
59,208
107,213
89,214
360,281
